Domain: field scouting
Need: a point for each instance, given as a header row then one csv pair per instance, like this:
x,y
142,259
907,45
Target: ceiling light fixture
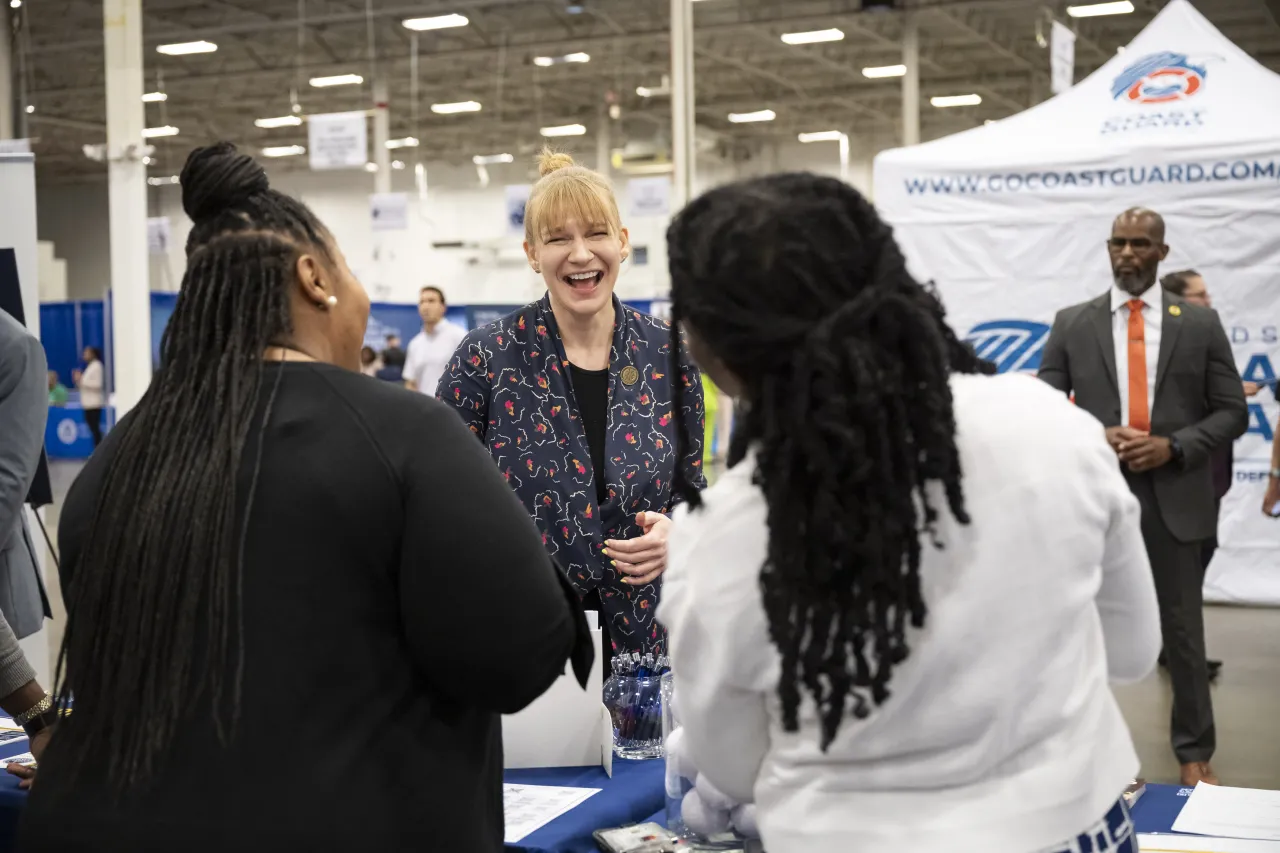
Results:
x,y
459,107
30,109
492,159
278,121
337,80
813,36
877,71
371,167
187,47
397,164
435,22
548,61
758,115
154,97
822,136
956,100
15,4
564,130
404,142
160,182
1096,10
283,151
153,132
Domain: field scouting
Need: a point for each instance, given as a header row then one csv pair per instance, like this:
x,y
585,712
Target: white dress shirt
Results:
x,y
428,355
1001,734
1152,318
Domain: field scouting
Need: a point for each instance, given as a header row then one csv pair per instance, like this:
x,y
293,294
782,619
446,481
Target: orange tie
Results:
x,y
1139,417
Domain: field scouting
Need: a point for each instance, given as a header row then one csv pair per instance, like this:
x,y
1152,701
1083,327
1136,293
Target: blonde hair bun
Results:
x,y
553,161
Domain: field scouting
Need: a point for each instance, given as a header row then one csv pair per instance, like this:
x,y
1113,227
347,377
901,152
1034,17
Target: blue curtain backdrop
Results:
x,y
66,328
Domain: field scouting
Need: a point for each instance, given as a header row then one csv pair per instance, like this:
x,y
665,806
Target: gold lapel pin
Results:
x,y
1175,311
630,376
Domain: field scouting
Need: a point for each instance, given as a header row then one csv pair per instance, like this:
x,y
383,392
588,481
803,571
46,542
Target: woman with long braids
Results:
x,y
893,620
277,633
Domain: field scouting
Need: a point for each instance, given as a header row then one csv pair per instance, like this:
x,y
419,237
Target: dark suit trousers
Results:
x,y
1179,577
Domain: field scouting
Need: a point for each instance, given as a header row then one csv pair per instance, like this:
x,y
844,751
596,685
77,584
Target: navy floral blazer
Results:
x,y
511,383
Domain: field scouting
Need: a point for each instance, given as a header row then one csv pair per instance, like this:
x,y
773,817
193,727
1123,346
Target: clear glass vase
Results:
x,y
635,706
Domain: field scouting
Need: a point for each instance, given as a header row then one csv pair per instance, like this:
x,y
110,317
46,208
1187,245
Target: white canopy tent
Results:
x,y
1010,221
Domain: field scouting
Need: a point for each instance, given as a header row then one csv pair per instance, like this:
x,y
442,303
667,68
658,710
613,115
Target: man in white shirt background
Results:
x,y
1116,353
430,350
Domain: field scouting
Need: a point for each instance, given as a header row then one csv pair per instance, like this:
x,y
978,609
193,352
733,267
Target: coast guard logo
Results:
x,y
1159,79
1012,345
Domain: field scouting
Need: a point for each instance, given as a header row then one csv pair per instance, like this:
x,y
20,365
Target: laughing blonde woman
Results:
x,y
573,397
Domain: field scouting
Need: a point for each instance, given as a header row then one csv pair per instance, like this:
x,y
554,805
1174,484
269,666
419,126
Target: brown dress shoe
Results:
x,y
1198,771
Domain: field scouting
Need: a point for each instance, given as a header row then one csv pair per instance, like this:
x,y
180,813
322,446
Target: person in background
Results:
x,y
370,364
57,391
278,583
1189,286
575,398
863,645
431,349
1271,497
391,368
23,412
92,385
1115,353
394,349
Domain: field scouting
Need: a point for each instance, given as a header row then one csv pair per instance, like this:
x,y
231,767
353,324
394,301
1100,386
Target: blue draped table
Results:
x,y
635,791
635,794
1156,811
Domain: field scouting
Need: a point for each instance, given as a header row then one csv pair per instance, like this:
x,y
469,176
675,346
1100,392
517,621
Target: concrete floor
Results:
x,y
1246,702
1246,698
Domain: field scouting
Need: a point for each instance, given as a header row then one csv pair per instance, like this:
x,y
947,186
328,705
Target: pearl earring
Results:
x,y
332,300
537,269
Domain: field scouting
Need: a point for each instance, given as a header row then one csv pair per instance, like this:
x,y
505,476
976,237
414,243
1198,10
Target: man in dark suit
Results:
x,y
1159,374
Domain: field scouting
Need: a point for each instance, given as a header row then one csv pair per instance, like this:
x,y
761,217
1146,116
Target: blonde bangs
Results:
x,y
574,193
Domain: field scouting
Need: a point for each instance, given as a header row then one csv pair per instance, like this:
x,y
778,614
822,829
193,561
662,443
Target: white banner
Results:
x,y
1062,59
1010,221
649,196
389,211
338,141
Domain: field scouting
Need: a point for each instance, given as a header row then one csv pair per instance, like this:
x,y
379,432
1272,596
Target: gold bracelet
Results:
x,y
34,711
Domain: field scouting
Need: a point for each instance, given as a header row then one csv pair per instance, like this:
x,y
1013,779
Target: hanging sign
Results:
x,y
1062,58
649,196
337,141
159,234
389,211
517,196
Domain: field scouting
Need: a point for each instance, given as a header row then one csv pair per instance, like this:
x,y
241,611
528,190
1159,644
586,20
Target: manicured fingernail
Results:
x,y
604,551
613,563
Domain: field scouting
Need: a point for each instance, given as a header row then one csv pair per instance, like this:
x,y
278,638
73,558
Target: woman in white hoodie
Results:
x,y
894,619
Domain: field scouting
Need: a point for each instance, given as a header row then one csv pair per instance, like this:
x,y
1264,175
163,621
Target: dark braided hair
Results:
x,y
154,618
798,288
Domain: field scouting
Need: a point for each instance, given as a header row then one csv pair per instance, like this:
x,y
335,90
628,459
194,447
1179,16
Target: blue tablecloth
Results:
x,y
1159,807
1156,811
635,794
636,791
12,799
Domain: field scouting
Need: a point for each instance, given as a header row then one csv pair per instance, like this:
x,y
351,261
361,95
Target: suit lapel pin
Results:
x,y
1175,311
630,376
